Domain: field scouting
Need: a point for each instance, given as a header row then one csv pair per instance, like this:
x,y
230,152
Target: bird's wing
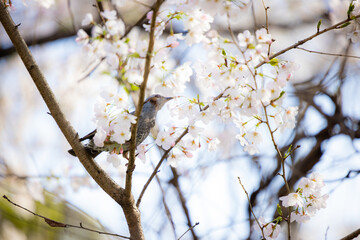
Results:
x,y
88,136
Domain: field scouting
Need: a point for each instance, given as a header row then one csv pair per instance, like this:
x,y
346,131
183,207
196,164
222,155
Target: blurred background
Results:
x,y
37,172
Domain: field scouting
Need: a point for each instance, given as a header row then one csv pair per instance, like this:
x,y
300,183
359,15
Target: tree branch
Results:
x,y
116,192
53,223
131,163
301,42
352,235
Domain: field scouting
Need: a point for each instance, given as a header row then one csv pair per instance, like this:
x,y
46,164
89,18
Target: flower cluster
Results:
x,y
249,85
305,202
187,145
271,230
307,199
113,122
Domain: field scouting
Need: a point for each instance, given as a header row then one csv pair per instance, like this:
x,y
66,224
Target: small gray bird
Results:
x,y
146,121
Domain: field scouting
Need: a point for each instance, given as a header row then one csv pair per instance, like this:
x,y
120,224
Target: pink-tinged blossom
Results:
x,y
271,230
292,200
194,130
318,179
299,216
115,27
102,117
191,144
316,202
189,110
307,200
165,88
109,15
100,137
173,159
289,117
141,152
164,140
254,137
134,76
87,20
216,106
204,116
213,143
172,39
82,37
113,60
245,39
120,135
114,159
251,149
242,140
307,187
262,36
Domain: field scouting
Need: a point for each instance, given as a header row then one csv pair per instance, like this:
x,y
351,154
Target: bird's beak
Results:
x,y
169,98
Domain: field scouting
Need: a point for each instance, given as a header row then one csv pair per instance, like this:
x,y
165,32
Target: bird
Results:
x,y
146,122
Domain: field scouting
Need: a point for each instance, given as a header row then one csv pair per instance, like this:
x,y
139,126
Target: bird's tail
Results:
x,y
93,153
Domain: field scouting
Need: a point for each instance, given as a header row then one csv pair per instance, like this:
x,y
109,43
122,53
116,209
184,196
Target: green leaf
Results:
x,y
281,94
344,25
251,46
223,52
274,62
134,87
134,55
288,151
318,26
350,9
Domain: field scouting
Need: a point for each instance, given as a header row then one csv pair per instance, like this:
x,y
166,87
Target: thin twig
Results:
x,y
301,42
188,230
134,127
167,210
251,209
175,182
53,223
329,54
158,166
143,17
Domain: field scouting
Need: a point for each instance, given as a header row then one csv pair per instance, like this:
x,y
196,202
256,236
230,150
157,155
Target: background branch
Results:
x,y
96,172
53,223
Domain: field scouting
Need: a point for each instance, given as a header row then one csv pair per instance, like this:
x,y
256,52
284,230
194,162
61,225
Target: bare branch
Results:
x,y
328,54
251,209
188,230
156,169
53,223
352,235
301,42
131,164
175,182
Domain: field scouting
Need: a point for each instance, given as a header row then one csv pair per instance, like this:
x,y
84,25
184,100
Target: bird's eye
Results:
x,y
153,100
